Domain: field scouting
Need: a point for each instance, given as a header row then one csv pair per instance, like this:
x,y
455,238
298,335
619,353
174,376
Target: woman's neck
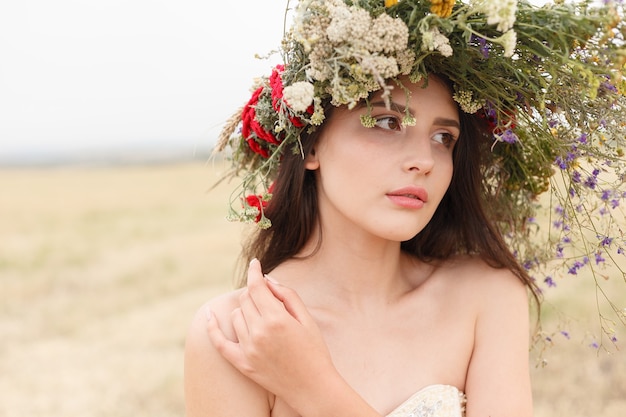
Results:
x,y
358,271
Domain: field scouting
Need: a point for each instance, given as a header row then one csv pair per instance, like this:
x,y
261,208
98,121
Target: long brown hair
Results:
x,y
460,225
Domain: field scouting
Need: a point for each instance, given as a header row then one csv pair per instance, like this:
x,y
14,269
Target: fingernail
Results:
x,y
270,279
208,313
253,259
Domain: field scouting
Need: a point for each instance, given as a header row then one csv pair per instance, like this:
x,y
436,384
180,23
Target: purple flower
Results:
x,y
606,241
573,270
583,138
606,194
571,156
550,282
591,182
490,111
608,86
559,251
599,258
560,162
484,48
594,345
576,177
509,136
565,334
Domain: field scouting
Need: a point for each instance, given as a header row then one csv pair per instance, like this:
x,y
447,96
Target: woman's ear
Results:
x,y
311,162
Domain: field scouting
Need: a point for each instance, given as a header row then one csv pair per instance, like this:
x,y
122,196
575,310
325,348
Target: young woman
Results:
x,y
379,282
363,315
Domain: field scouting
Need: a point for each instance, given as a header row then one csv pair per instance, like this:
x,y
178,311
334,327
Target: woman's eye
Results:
x,y
446,139
388,123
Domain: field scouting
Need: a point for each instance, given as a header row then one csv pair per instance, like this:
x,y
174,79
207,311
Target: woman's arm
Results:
x,y
280,347
498,379
213,388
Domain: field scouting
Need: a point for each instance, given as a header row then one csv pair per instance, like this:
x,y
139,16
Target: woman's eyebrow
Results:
x,y
440,121
395,106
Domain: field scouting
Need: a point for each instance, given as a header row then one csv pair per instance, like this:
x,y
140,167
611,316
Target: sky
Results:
x,y
88,76
93,75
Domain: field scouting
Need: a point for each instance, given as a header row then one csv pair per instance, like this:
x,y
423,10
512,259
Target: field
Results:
x,y
101,270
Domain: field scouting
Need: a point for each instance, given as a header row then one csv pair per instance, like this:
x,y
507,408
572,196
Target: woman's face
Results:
x,y
387,180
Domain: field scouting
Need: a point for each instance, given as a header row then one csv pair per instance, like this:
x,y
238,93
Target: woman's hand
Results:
x,y
279,345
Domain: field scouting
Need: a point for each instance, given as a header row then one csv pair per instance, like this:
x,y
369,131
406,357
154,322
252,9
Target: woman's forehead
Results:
x,y
434,91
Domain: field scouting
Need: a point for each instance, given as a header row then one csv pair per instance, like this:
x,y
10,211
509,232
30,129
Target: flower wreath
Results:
x,y
549,82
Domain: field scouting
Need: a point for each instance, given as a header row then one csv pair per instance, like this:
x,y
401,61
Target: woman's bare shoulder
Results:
x,y
471,275
477,269
212,385
221,307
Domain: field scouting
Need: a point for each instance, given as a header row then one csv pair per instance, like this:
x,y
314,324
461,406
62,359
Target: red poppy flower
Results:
x,y
276,83
251,129
256,200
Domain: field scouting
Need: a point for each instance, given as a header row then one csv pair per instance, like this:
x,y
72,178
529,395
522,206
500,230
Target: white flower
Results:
x,y
466,101
383,66
386,34
299,95
445,49
434,40
499,12
347,24
508,41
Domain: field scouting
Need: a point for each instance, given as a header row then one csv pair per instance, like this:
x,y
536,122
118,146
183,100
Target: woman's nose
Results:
x,y
419,155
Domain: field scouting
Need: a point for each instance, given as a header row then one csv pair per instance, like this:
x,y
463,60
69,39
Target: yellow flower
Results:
x,y
442,8
389,3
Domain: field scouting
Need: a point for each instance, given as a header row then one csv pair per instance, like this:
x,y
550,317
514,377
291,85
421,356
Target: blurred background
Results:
x,y
109,236
92,81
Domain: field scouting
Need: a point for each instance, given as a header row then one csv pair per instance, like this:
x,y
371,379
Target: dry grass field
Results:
x,y
101,270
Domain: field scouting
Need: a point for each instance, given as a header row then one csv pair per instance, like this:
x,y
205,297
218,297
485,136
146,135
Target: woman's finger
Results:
x,y
291,301
265,302
240,326
228,349
248,308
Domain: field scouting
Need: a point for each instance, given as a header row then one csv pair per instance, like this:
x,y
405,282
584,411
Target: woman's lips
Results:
x,y
409,197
